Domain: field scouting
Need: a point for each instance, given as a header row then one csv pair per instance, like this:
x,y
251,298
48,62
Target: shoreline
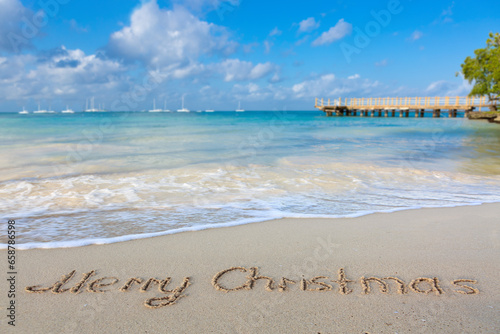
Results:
x,y
131,237
441,256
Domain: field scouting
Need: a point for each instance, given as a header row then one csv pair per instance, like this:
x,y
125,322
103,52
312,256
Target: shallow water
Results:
x,y
116,176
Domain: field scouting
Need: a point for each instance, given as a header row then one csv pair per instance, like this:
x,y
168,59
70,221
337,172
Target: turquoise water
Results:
x,y
72,179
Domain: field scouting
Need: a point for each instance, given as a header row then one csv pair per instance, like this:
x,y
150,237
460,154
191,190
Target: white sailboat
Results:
x,y
67,111
183,109
39,111
24,112
239,108
92,108
209,110
154,107
165,106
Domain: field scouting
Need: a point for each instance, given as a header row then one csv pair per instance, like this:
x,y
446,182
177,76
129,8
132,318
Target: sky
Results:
x,y
270,55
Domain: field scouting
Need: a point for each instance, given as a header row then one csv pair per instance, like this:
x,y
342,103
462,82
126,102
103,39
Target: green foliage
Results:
x,y
484,69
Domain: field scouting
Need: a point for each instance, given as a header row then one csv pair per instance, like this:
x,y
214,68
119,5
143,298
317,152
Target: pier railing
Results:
x,y
458,102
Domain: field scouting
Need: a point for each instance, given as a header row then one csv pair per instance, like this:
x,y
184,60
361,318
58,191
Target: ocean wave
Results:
x,y
88,209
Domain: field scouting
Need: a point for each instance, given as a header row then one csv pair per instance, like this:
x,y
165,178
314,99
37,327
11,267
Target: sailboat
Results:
x,y
39,111
67,111
92,108
154,107
165,106
183,109
239,108
209,110
50,111
24,112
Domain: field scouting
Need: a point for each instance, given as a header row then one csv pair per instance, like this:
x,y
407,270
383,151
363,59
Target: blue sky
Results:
x,y
267,54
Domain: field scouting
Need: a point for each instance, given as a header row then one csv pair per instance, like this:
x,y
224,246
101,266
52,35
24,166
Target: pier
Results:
x,y
402,106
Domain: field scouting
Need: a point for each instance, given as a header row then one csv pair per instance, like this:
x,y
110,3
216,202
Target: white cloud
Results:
x,y
267,46
159,37
276,78
76,27
314,87
339,31
222,7
251,92
12,69
185,71
446,15
381,63
302,40
238,70
275,32
446,88
59,73
247,48
416,35
11,14
260,70
329,86
308,25
354,77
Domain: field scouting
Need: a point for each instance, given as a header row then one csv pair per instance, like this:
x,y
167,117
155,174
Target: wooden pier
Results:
x,y
402,106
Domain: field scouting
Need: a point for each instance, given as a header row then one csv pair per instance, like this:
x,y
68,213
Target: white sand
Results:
x,y
446,243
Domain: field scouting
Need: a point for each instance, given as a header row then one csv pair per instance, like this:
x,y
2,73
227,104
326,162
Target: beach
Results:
x,y
230,280
85,178
174,167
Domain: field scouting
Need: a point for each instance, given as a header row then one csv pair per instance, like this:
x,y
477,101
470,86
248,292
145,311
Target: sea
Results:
x,y
93,178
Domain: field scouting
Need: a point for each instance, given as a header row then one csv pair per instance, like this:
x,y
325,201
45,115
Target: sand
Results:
x,y
441,268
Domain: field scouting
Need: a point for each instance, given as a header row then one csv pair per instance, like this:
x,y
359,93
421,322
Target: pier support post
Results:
x,y
386,113
452,113
436,113
393,113
328,113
